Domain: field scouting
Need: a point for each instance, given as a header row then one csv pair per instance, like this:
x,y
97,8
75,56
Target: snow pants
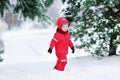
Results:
x,y
61,62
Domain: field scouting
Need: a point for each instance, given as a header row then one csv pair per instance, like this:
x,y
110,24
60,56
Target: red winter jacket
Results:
x,y
61,41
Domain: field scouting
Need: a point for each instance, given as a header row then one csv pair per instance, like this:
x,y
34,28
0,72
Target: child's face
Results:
x,y
65,27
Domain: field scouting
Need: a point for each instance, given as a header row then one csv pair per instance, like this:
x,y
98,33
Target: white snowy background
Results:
x,y
26,58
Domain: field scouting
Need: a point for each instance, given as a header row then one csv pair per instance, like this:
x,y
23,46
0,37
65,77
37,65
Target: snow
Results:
x,y
26,58
3,27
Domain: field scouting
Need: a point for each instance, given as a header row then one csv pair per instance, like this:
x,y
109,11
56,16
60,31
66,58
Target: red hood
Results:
x,y
61,21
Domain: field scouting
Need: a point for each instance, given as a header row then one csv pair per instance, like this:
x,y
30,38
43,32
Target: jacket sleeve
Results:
x,y
70,42
53,41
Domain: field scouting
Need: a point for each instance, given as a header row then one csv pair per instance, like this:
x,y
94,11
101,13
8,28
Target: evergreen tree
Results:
x,y
3,6
26,8
70,9
97,28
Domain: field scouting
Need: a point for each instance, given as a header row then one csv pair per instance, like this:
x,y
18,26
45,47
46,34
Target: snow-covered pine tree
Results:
x,y
70,9
97,27
26,8
3,6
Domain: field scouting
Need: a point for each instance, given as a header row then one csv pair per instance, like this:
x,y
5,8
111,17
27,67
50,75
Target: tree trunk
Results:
x,y
112,47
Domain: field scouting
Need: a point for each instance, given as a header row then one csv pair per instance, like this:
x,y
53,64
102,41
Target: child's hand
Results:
x,y
73,50
50,50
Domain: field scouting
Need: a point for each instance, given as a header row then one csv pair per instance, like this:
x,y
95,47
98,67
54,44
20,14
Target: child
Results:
x,y
61,41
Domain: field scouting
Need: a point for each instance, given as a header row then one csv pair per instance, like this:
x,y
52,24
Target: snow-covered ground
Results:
x,y
26,58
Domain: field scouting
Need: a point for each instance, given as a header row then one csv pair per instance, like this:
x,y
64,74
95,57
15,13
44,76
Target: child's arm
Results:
x,y
71,46
52,44
70,42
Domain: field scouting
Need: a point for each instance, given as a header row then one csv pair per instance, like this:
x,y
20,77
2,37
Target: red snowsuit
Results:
x,y
61,41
